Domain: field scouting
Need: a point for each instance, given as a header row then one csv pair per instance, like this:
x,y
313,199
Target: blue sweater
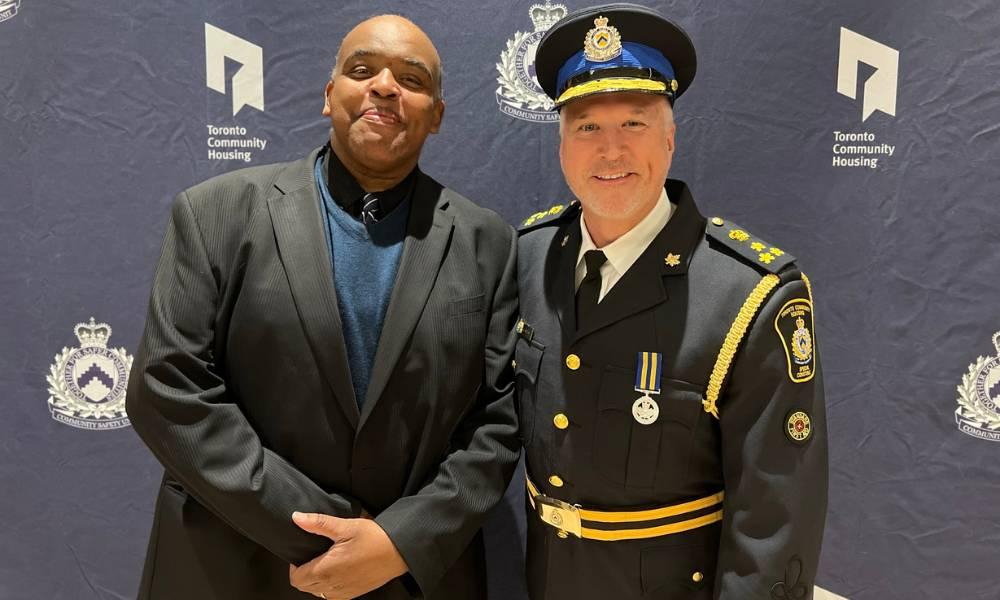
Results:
x,y
365,260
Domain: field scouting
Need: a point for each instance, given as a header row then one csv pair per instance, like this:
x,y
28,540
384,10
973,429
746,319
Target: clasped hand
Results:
x,y
361,559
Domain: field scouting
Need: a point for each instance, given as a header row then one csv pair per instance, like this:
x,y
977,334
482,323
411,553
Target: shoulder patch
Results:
x,y
795,327
750,247
552,215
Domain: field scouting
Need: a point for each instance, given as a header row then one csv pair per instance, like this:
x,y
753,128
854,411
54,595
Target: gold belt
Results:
x,y
570,518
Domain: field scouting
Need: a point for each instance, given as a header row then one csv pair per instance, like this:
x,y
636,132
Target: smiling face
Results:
x,y
615,152
383,99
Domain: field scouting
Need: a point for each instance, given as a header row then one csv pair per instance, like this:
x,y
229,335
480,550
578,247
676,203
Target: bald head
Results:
x,y
393,31
383,100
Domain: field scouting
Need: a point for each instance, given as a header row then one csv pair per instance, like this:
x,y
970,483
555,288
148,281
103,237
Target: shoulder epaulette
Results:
x,y
547,217
756,251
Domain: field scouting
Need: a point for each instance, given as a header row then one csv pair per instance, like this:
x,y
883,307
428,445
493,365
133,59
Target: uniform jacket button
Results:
x,y
556,481
561,421
573,362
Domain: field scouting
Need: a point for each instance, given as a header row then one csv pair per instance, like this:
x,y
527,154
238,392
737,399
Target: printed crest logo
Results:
x,y
8,9
87,384
519,94
978,412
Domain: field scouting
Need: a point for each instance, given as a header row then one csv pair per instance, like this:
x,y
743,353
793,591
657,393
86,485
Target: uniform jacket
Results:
x,y
679,299
241,388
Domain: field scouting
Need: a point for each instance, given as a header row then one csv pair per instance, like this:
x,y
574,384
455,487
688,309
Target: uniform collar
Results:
x,y
681,235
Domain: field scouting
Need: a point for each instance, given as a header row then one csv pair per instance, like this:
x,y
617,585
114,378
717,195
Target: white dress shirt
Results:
x,y
623,252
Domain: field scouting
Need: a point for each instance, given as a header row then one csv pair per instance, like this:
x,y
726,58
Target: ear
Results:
x,y
671,130
438,116
326,99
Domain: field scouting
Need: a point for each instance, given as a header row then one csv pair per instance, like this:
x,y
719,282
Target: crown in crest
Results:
x,y
545,15
92,333
800,322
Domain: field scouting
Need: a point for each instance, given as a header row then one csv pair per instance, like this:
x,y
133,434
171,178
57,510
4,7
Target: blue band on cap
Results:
x,y
633,55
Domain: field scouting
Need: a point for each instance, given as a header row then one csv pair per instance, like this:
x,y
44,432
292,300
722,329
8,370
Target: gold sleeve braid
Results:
x,y
809,289
736,332
732,342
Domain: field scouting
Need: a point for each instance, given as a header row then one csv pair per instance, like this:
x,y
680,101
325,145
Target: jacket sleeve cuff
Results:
x,y
423,561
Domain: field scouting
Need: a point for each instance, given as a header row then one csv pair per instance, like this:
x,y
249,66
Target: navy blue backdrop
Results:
x,y
863,136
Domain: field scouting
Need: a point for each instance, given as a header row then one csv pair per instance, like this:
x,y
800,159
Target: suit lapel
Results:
x,y
560,275
302,248
642,286
427,234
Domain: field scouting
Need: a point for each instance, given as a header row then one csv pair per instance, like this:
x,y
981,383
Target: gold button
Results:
x,y
513,364
718,222
556,481
562,534
697,577
573,362
561,421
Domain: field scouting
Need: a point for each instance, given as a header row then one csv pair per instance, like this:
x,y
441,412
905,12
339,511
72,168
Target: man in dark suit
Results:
x,y
671,398
331,336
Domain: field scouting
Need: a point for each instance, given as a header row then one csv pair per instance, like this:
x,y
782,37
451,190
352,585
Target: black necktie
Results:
x,y
371,211
590,287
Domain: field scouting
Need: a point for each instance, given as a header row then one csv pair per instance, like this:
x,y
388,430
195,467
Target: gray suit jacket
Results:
x,y
241,388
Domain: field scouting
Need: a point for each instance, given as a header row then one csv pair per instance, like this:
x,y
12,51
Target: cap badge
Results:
x,y
603,42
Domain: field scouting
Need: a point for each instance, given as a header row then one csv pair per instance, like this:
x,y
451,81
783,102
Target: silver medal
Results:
x,y
645,410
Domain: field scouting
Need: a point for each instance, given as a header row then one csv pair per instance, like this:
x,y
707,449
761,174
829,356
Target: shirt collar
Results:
x,y
347,192
624,251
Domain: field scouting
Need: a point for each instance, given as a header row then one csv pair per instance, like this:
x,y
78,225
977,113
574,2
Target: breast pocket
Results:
x,y
630,453
527,360
467,306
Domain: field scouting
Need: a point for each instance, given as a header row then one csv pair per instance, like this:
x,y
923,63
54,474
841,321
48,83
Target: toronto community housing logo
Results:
x,y
234,142
862,148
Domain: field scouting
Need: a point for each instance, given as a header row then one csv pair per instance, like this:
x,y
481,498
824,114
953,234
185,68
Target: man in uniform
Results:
x,y
331,336
670,395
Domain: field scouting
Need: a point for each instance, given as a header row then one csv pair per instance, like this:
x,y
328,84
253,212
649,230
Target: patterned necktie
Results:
x,y
371,211
590,287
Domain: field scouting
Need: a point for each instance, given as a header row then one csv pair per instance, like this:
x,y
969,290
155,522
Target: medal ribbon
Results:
x,y
648,370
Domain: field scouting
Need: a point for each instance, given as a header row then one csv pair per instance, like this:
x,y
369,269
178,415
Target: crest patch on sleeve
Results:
x,y
794,325
798,426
